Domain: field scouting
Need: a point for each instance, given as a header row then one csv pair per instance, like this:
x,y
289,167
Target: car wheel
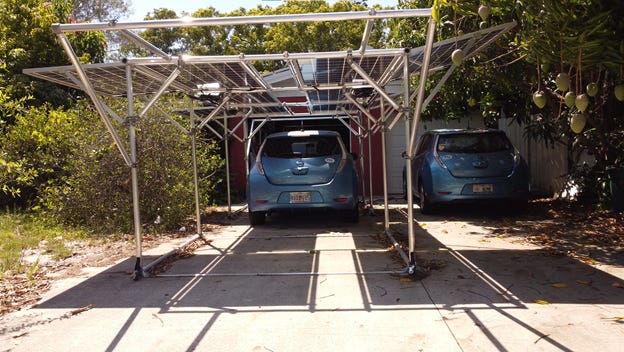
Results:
x,y
352,215
257,218
424,203
520,206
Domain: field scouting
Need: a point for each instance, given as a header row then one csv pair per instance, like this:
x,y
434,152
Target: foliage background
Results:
x,y
55,157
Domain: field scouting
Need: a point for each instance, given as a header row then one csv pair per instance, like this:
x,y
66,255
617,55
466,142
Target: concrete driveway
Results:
x,y
315,283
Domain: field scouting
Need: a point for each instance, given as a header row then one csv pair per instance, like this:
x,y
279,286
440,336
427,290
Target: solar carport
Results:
x,y
368,88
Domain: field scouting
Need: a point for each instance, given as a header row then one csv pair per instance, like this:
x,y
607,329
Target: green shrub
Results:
x,y
97,189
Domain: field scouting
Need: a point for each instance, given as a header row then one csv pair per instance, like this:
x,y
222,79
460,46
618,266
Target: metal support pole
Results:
x,y
408,170
360,71
132,120
92,94
366,36
361,149
193,134
214,113
246,20
176,72
347,124
411,141
247,143
361,108
135,38
226,139
370,169
384,167
421,86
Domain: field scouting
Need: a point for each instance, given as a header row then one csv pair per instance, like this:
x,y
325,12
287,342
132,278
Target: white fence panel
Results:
x,y
548,165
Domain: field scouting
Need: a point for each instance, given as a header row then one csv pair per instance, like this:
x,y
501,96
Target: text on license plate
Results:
x,y
300,197
483,188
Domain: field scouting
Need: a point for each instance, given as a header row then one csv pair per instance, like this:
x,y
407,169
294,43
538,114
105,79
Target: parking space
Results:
x,y
311,282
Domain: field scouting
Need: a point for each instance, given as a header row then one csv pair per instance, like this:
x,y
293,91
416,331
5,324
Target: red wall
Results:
x,y
375,158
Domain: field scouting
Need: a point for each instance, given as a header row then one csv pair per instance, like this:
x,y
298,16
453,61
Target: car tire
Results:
x,y
352,215
520,206
257,218
424,203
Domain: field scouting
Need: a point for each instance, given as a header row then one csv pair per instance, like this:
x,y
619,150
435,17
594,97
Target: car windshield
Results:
x,y
473,143
301,147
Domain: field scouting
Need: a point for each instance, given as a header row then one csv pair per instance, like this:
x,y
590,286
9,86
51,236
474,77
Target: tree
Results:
x,y
167,39
98,10
209,40
55,156
27,41
34,151
578,38
96,192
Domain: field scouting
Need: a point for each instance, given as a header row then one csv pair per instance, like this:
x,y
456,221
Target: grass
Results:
x,y
20,232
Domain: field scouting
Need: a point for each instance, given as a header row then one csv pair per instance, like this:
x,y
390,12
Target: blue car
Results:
x,y
452,166
302,170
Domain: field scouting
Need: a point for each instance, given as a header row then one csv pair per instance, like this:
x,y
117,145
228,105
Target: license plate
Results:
x,y
300,197
483,188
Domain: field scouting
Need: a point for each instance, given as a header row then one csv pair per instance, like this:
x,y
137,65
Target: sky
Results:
x,y
142,7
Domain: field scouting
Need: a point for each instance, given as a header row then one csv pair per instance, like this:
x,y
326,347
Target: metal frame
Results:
x,y
327,82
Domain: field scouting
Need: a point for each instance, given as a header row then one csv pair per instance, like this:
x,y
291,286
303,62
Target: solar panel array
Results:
x,y
326,80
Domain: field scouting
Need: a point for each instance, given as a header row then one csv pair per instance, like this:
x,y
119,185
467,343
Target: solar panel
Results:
x,y
327,77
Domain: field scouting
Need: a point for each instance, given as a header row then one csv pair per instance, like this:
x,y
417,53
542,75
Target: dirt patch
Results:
x,y
24,290
584,232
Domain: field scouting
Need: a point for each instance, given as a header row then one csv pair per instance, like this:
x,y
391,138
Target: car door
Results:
x,y
420,157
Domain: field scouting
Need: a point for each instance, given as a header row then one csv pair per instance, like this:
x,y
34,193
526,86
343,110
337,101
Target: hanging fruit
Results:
x,y
563,81
484,12
457,56
619,92
539,98
569,99
581,101
577,123
592,89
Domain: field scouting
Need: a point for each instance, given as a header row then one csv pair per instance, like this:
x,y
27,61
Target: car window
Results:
x,y
301,147
473,143
425,142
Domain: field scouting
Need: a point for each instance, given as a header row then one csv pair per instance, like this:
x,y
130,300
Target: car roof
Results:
x,y
303,133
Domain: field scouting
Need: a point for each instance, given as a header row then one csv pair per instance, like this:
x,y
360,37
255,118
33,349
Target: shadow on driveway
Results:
x,y
313,263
